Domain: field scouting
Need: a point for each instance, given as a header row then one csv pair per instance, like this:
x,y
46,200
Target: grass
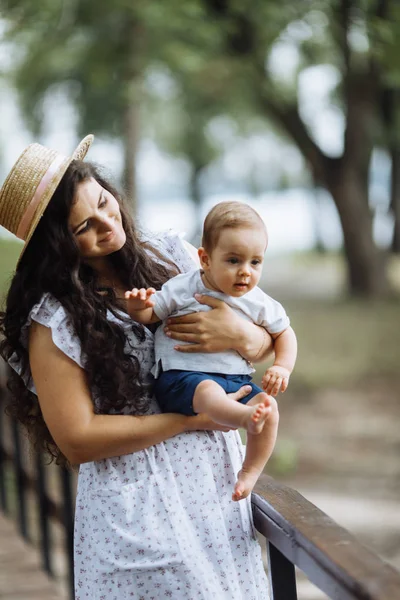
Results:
x,y
342,343
9,253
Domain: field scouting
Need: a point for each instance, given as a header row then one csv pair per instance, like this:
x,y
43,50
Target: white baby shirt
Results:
x,y
176,298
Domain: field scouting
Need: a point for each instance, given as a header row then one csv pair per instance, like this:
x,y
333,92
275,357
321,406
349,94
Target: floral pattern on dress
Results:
x,y
160,523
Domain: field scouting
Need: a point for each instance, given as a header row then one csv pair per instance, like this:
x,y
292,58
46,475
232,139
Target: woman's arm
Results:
x,y
67,409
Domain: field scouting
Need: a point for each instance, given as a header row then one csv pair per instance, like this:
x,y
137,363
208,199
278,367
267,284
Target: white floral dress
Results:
x,y
160,523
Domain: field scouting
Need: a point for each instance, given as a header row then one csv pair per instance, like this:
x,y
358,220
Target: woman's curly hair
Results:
x,y
52,263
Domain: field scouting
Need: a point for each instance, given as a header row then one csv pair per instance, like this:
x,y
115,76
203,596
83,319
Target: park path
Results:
x,y
21,575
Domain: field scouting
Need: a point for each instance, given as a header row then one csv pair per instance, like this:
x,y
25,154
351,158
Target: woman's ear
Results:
x,y
204,259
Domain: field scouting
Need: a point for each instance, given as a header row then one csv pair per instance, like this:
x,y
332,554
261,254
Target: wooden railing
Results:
x,y
297,533
36,495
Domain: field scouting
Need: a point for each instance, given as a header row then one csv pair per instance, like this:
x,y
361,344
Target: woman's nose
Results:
x,y
105,223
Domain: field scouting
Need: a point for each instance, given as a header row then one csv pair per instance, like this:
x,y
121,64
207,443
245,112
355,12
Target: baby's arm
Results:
x,y
276,378
140,305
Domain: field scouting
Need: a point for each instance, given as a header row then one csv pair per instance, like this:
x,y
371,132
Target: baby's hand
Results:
x,y
140,299
275,380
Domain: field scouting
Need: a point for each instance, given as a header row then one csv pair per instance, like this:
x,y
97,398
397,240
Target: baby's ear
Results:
x,y
204,258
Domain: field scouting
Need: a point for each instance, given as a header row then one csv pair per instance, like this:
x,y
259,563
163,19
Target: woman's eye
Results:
x,y
83,228
103,202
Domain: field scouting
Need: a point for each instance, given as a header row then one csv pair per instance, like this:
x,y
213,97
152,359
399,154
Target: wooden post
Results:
x,y
282,575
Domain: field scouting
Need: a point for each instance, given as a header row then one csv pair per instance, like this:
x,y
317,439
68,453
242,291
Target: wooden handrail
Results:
x,y
328,554
32,478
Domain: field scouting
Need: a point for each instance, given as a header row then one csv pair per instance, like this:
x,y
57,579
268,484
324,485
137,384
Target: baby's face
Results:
x,y
234,266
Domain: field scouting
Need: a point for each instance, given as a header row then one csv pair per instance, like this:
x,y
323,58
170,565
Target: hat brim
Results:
x,y
78,154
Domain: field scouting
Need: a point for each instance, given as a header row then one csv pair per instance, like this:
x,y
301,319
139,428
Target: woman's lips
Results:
x,y
108,237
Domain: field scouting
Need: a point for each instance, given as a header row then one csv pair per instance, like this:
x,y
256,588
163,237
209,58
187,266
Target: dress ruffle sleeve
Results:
x,y
50,313
171,244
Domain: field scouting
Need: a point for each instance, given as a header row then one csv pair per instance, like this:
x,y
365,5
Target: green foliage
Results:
x,y
221,60
87,49
218,53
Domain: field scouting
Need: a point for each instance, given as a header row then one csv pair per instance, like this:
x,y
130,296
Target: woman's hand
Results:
x,y
208,331
203,422
218,330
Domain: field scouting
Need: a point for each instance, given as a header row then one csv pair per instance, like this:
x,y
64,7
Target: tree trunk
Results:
x,y
319,246
395,198
197,199
134,43
365,262
130,141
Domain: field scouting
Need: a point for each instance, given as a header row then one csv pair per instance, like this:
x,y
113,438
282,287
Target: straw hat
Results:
x,y
30,186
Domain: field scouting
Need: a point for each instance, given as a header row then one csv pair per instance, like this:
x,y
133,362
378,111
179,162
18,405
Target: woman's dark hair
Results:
x,y
52,263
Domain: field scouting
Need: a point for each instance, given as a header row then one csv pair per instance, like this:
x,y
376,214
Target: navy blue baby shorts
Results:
x,y
174,390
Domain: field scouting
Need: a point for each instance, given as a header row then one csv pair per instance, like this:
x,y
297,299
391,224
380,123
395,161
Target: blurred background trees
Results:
x,y
219,59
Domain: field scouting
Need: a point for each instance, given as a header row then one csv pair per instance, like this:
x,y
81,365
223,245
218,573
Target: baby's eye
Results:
x,y
256,262
233,261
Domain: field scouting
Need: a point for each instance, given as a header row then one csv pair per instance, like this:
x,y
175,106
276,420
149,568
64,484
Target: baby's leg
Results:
x,y
211,398
258,451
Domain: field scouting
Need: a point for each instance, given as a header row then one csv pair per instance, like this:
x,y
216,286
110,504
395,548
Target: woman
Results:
x,y
154,516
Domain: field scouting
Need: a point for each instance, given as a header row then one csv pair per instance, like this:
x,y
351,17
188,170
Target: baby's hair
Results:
x,y
227,215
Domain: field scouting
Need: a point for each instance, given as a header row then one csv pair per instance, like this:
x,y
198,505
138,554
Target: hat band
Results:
x,y
28,215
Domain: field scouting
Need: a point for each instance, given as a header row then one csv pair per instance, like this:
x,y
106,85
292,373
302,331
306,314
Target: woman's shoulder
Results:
x,y
173,245
50,313
162,240
46,310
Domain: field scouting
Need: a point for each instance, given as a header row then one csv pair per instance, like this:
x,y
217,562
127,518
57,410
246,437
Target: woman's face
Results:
x,y
95,221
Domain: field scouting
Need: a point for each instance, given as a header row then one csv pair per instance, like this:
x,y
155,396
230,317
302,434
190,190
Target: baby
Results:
x,y
231,258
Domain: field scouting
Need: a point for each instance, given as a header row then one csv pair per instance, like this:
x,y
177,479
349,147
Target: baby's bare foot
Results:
x,y
261,398
256,417
245,483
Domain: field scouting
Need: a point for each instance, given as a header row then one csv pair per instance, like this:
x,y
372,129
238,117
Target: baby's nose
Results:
x,y
244,270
